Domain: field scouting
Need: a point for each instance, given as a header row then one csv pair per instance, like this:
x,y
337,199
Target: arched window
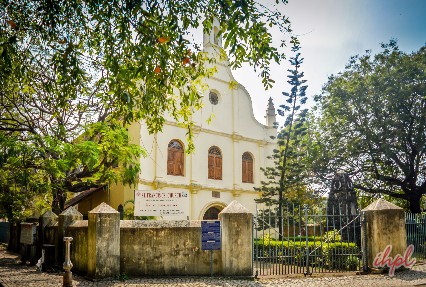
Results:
x,y
212,213
247,167
175,158
215,163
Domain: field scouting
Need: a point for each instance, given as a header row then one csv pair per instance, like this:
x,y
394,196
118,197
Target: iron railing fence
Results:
x,y
306,240
415,225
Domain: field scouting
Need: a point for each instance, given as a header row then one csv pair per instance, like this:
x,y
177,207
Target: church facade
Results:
x,y
225,166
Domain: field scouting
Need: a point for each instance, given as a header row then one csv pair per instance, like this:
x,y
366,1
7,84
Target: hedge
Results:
x,y
329,255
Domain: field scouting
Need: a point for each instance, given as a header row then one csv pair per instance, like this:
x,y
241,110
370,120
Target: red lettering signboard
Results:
x,y
166,204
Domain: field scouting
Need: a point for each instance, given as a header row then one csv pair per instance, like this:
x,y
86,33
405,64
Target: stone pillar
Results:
x,y
385,226
103,242
65,219
47,219
237,240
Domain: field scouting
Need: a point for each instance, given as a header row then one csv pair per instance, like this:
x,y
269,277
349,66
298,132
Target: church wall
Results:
x,y
200,160
93,200
247,199
203,199
248,126
196,167
148,144
221,114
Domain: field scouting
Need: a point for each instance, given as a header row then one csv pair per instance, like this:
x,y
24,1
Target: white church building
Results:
x,y
225,166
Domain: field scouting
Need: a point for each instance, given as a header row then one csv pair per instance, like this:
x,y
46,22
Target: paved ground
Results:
x,y
12,274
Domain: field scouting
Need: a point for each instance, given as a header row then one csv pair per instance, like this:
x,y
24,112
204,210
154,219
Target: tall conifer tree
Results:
x,y
285,176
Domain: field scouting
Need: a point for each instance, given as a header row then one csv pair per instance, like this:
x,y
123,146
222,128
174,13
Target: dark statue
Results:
x,y
342,208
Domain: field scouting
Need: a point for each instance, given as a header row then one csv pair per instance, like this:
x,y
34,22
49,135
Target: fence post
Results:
x,y
305,208
364,241
237,240
67,277
385,226
103,242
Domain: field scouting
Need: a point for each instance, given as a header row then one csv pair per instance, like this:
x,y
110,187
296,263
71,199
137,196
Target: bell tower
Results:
x,y
212,37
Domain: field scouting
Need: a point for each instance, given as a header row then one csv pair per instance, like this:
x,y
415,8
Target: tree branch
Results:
x,y
382,191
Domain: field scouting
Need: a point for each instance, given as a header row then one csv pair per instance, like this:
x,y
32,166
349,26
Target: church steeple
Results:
x,y
212,37
271,116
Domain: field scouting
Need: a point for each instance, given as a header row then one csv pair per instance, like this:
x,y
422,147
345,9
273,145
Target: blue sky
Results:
x,y
330,32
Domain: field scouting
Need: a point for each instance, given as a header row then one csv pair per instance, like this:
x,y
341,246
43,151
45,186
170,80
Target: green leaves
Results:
x,y
96,52
101,155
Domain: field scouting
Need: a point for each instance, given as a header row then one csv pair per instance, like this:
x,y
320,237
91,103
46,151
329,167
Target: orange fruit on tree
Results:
x,y
12,24
186,60
163,40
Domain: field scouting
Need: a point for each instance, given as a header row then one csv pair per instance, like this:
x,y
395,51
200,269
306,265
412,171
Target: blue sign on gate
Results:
x,y
210,235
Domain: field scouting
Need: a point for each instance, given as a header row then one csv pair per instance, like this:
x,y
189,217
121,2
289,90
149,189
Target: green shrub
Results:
x,y
332,236
340,255
329,255
352,263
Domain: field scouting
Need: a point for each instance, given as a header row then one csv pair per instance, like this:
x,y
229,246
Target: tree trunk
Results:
x,y
280,208
280,219
414,201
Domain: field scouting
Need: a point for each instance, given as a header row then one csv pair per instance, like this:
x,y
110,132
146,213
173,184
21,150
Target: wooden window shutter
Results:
x,y
250,171
215,163
211,166
179,155
218,168
247,167
179,162
244,170
170,162
175,158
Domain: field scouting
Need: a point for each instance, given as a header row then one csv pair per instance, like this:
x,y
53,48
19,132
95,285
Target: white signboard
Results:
x,y
162,203
28,231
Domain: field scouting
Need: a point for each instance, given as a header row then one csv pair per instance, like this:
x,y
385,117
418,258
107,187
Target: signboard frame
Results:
x,y
28,233
162,203
210,235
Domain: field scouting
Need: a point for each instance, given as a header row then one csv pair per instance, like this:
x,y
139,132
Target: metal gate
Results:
x,y
306,240
415,225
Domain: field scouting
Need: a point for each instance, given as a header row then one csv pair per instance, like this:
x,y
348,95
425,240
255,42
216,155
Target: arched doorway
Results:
x,y
212,213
